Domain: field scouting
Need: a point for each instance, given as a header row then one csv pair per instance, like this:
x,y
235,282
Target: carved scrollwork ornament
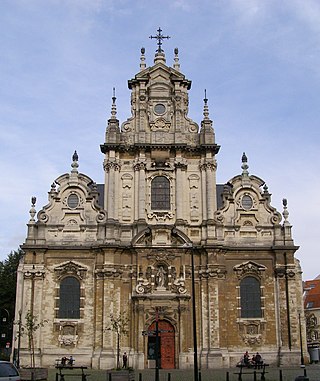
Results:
x,y
43,217
161,255
108,272
139,166
211,272
70,268
34,274
160,216
281,272
68,334
102,216
208,166
111,165
249,268
143,287
251,331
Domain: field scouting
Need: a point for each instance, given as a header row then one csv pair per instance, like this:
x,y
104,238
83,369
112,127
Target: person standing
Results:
x,y
124,360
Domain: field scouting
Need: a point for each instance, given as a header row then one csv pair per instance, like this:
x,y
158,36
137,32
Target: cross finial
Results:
x,y
159,37
114,107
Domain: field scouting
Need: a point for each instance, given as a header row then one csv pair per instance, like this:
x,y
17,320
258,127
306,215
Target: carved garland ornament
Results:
x,y
249,268
68,334
33,272
281,272
160,125
70,268
108,272
251,332
159,279
213,272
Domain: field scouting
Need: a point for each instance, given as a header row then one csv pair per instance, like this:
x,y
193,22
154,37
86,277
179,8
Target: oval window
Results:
x,y
246,202
73,201
159,108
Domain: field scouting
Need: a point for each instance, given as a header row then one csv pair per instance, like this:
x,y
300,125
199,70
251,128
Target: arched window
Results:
x,y
250,298
69,306
160,193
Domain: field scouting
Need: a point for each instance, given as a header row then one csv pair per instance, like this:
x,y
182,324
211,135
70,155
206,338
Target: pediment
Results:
x,y
70,268
158,70
249,268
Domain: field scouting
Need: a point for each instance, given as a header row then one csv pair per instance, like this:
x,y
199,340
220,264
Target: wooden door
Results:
x,y
167,344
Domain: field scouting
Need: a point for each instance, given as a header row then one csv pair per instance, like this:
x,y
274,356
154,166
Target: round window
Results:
x,y
246,202
73,201
159,108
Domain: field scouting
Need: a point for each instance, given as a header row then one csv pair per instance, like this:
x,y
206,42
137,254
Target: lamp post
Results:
x,y
194,322
301,347
19,340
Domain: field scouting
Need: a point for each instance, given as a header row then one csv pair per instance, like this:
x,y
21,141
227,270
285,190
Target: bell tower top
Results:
x,y
159,109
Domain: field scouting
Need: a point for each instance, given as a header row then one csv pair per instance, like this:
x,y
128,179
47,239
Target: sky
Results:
x,y
259,61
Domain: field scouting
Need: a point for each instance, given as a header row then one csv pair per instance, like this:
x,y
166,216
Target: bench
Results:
x,y
61,376
262,372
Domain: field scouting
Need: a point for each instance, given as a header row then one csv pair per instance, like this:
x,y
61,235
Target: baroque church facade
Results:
x,y
159,235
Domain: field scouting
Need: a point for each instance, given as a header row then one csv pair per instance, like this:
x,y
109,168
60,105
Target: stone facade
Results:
x,y
129,245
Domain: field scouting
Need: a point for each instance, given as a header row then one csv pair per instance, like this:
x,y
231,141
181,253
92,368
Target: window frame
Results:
x,y
250,294
157,197
65,299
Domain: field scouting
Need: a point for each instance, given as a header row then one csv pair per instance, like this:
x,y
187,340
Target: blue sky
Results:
x,y
258,60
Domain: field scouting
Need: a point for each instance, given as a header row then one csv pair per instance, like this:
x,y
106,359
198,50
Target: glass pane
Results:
x,y
160,193
250,298
73,201
247,202
7,369
69,298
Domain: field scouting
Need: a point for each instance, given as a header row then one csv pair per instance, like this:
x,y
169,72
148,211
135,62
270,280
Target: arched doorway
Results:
x,y
166,344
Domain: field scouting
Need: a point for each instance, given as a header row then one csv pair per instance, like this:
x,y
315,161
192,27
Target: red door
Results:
x,y
166,339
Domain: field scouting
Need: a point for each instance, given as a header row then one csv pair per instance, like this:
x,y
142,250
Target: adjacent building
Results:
x,y
133,248
312,313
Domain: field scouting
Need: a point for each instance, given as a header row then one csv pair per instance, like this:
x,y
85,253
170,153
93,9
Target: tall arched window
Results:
x,y
160,193
69,304
250,297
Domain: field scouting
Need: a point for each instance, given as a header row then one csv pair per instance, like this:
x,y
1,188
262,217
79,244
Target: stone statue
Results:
x,y
161,277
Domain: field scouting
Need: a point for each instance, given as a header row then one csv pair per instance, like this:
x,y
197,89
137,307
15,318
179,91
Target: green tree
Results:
x,y
119,325
28,327
8,280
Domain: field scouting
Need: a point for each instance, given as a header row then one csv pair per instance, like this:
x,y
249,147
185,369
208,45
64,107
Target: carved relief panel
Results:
x,y
194,197
127,197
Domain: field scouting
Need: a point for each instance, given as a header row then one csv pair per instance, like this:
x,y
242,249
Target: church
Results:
x,y
160,244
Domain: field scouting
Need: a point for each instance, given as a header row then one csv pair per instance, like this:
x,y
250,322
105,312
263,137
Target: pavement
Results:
x,y
273,374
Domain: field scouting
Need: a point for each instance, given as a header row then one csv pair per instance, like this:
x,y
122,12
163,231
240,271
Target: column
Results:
x,y
142,192
136,169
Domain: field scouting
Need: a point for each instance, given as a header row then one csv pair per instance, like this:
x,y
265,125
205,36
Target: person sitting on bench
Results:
x,y
258,361
246,359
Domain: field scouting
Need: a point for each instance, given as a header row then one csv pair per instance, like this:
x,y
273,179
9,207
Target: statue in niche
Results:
x,y
161,277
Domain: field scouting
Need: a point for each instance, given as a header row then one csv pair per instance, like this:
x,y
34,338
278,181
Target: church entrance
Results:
x,y
166,344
